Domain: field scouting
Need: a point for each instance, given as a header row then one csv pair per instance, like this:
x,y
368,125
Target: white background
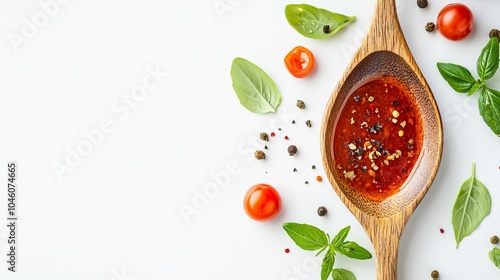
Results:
x,y
116,213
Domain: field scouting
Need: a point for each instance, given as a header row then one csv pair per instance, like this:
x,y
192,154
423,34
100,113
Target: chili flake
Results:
x,y
319,178
287,250
441,230
273,134
286,137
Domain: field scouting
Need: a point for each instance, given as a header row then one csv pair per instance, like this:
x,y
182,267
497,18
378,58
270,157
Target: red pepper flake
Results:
x,y
441,230
273,134
287,250
319,178
286,137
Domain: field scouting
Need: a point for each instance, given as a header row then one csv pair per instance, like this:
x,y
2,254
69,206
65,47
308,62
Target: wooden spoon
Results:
x,y
384,52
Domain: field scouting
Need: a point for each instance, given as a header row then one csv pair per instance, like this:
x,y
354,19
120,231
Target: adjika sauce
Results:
x,y
378,138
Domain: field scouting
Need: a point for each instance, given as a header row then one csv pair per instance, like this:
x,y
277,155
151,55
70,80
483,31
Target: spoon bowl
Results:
x,y
384,52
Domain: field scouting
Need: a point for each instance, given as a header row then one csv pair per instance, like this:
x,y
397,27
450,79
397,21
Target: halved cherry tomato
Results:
x,y
455,21
262,202
299,62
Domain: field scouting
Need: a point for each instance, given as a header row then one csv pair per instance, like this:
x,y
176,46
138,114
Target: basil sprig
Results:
x,y
313,22
462,81
472,205
311,238
255,89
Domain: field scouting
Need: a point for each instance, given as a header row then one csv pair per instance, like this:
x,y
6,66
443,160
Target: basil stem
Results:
x,y
472,205
313,22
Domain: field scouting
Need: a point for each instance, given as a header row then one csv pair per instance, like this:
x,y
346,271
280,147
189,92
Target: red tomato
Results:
x,y
455,21
299,62
262,202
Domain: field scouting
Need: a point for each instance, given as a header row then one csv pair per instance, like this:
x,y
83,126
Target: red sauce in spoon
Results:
x,y
378,138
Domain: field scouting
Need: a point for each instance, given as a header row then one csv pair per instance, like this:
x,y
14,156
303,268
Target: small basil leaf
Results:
x,y
342,274
340,237
306,236
255,89
472,205
458,77
489,108
353,250
328,262
477,86
311,21
487,63
494,255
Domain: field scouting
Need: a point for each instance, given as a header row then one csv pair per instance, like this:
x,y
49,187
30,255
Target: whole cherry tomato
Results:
x,y
455,21
299,62
262,202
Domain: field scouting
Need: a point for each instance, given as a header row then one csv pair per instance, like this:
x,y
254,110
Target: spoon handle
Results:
x,y
386,32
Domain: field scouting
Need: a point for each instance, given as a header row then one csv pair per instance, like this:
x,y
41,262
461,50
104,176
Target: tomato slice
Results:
x,y
299,62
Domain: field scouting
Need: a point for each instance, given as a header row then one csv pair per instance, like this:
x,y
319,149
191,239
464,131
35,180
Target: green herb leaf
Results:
x,y
457,76
310,21
353,250
487,63
489,108
472,205
328,262
494,255
477,86
342,274
340,237
255,89
306,236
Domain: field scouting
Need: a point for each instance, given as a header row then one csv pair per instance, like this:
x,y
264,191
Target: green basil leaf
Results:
x,y
310,21
328,262
458,77
472,205
487,63
342,274
353,250
477,86
340,237
489,108
255,89
494,255
306,236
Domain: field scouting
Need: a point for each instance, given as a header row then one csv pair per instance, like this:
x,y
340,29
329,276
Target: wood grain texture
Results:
x,y
384,52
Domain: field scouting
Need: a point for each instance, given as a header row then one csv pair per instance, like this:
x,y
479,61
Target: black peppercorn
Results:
x,y
435,274
430,27
292,150
308,123
494,239
326,28
422,3
495,33
259,155
322,211
301,104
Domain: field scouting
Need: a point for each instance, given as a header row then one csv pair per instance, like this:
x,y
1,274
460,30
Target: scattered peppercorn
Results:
x,y
265,147
313,167
319,178
292,150
279,128
293,121
301,104
322,211
306,182
326,28
264,136
430,27
422,3
435,274
495,33
287,250
259,155
441,230
308,123
295,170
494,239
